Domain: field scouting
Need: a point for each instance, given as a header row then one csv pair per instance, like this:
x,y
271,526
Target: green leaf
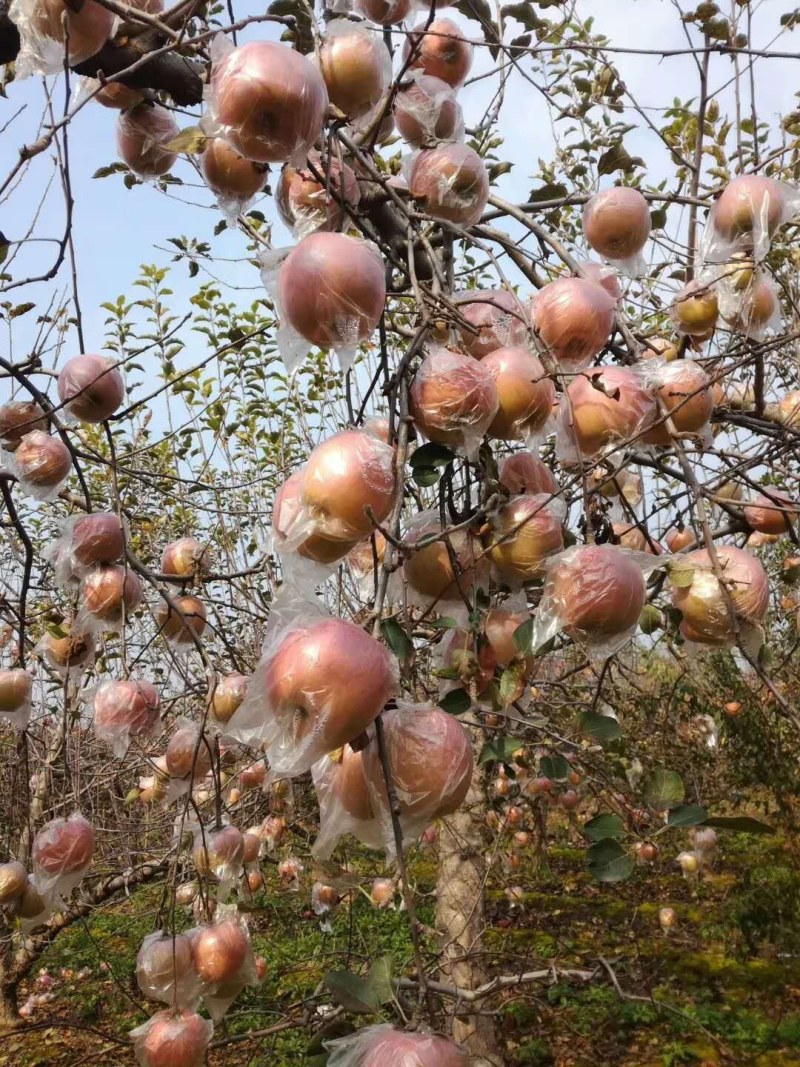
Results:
x,y
499,749
550,191
664,789
446,623
617,158
352,992
456,702
397,639
604,826
431,455
523,636
658,218
555,767
687,815
512,684
381,979
191,141
600,728
609,862
425,476
650,620
742,824
680,574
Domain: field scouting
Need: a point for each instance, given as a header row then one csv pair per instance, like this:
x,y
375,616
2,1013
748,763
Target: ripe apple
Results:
x,y
332,289
325,683
789,409
228,694
184,757
269,101
316,196
426,111
355,65
616,222
766,514
173,1039
759,305
17,418
88,26
220,853
522,535
749,206
655,347
598,591
91,388
178,626
111,592
441,50
600,274
15,689
164,965
525,394
429,570
705,615
65,653
345,475
142,134
391,1046
451,182
185,558
64,846
97,538
229,174
117,96
296,530
685,391
126,705
350,786
573,319
605,406
453,399
523,472
41,461
13,882
497,318
385,12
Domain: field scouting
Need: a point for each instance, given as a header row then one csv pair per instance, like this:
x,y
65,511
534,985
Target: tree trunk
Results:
x,y
460,918
9,1018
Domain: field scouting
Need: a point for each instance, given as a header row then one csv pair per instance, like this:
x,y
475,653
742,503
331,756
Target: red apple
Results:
x,y
523,472
356,67
64,846
91,388
229,174
316,196
117,96
598,591
142,134
525,394
332,289
616,222
605,406
767,515
220,951
219,852
679,538
68,652
600,274
185,757
173,1039
451,183
685,391
298,531
111,592
426,111
573,318
164,964
441,50
178,626
523,534
453,399
385,12
15,690
498,320
429,571
129,706
344,476
88,26
350,786
706,619
749,205
41,461
97,538
269,101
185,558
17,418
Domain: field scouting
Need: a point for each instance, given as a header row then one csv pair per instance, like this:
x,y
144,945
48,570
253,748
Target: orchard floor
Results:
x,y
724,988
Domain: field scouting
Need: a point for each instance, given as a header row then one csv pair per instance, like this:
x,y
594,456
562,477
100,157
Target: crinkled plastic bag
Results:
x,y
86,540
427,111
745,218
169,1037
450,181
62,853
573,319
384,1046
43,39
429,577
453,399
125,709
165,969
41,463
616,223
230,931
16,685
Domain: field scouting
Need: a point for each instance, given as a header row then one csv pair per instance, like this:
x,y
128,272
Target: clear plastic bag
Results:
x,y
573,319
90,388
526,396
165,969
69,652
218,855
497,320
746,216
41,463
595,594
429,572
312,197
16,685
62,853
17,418
345,803
143,134
450,182
289,872
234,180
524,472
697,595
321,681
110,593
752,308
453,400
685,392
426,111
522,535
384,1046
616,223
187,759
601,274
356,66
695,309
329,291
125,709
384,12
84,542
224,960
43,38
440,49
267,100
171,1037
601,410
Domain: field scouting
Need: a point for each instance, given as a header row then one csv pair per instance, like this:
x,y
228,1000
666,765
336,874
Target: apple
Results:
x,y
91,388
573,318
749,205
164,966
350,786
67,652
453,399
523,534
41,461
316,196
597,591
361,558
451,182
759,305
289,871
173,1039
17,418
426,111
667,918
325,683
356,66
185,757
97,538
705,615
685,392
497,320
332,289
789,409
391,1046
87,26
219,853
117,96
180,625
600,274
185,558
695,309
229,692
385,12
616,222
767,515
525,394
30,905
229,174
429,570
13,882
344,476
430,760
523,472
125,706
440,50
268,101
659,347
382,892
111,592
603,407
64,846
15,689
296,530
253,776
142,134
458,652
